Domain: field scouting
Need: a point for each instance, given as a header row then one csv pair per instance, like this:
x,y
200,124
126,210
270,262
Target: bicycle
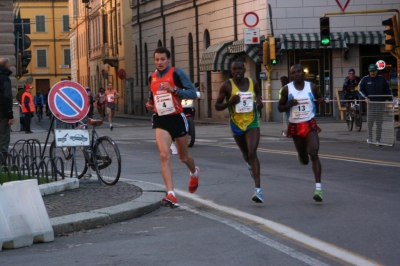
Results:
x,y
354,115
40,112
101,156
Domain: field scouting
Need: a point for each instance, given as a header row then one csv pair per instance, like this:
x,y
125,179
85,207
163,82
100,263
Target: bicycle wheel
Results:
x,y
192,132
358,119
65,153
108,160
349,121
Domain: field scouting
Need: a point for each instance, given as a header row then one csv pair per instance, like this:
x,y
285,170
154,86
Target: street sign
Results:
x,y
251,36
263,75
250,19
380,64
68,101
342,4
72,137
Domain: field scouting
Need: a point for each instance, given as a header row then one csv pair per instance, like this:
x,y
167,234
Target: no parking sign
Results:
x,y
68,101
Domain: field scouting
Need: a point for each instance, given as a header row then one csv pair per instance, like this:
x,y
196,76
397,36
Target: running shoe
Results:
x,y
369,141
317,195
111,128
250,170
194,181
299,159
257,197
173,148
170,201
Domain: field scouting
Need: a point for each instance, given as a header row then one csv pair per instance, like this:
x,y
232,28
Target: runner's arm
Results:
x,y
225,93
283,103
259,103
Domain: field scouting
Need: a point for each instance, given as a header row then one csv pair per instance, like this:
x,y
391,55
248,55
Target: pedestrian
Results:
x,y
101,102
91,98
242,96
46,101
28,107
370,85
38,101
349,88
297,100
111,102
6,107
168,85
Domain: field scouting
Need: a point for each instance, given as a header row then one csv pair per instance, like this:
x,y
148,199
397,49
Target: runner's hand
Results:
x,y
149,105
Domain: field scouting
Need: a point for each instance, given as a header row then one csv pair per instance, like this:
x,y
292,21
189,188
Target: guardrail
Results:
x,y
26,161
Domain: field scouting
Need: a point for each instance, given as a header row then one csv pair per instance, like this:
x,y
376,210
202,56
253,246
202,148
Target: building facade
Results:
x,y
101,41
7,48
49,42
205,36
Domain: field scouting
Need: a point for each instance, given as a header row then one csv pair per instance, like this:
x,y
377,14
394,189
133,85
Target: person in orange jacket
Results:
x,y
28,107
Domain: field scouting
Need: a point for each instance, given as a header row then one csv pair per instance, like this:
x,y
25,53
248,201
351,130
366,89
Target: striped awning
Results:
x,y
365,37
216,57
310,41
240,47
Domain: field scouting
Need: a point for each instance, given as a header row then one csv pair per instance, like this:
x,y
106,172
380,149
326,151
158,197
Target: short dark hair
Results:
x,y
162,50
237,61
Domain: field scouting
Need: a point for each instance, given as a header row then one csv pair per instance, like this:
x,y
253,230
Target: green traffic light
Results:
x,y
273,62
325,41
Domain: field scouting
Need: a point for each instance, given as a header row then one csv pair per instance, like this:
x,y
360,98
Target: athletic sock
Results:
x,y
318,186
196,173
171,192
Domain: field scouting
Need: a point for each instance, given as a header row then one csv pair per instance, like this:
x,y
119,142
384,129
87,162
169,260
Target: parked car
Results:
x,y
79,137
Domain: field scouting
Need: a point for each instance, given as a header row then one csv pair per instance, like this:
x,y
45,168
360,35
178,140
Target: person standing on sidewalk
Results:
x,y
297,100
28,107
6,107
169,121
111,102
242,97
349,88
370,85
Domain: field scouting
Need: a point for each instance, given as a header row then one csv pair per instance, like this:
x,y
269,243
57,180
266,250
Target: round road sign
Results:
x,y
68,101
250,19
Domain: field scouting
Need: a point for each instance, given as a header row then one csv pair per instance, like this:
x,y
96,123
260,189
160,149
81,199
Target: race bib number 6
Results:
x,y
246,103
164,104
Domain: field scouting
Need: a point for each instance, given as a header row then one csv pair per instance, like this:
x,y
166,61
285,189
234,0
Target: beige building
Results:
x,y
7,48
101,41
205,36
49,42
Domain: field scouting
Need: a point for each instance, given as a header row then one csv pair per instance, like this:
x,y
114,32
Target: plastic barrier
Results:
x,y
23,215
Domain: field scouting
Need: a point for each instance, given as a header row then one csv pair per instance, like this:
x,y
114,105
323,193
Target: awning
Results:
x,y
216,57
365,37
310,41
250,50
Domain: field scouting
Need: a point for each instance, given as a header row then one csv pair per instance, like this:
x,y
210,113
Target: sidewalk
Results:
x,y
93,204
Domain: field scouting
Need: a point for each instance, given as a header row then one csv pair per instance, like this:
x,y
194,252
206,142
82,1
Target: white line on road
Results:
x,y
265,240
285,231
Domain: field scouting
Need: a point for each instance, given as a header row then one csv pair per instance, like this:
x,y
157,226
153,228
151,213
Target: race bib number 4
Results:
x,y
246,103
302,109
164,104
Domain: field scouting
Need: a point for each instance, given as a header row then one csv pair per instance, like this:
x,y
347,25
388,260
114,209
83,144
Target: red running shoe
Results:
x,y
170,201
194,181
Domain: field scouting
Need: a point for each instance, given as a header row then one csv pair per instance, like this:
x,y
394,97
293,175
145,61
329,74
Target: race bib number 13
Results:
x,y
302,109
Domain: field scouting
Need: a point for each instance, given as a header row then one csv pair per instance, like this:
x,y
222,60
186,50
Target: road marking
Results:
x,y
285,231
252,234
325,156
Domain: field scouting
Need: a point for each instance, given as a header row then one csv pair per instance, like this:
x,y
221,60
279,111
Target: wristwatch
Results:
x,y
175,91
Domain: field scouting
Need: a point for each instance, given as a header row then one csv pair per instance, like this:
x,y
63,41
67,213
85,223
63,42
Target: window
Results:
x,y
67,57
40,23
65,21
41,56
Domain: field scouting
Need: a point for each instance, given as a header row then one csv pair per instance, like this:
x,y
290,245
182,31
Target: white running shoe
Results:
x,y
173,148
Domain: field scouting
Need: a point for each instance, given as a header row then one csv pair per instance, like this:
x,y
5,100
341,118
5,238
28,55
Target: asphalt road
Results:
x,y
219,225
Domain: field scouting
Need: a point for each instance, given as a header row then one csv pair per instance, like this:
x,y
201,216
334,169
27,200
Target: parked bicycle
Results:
x,y
101,156
354,115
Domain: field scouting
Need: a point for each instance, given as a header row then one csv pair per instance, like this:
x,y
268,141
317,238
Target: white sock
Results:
x,y
110,125
171,192
196,173
318,186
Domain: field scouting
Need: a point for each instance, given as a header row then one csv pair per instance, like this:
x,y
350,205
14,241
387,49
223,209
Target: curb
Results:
x,y
149,201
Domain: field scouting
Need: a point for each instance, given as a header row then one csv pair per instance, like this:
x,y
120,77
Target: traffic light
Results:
x,y
325,32
272,51
265,53
26,59
392,33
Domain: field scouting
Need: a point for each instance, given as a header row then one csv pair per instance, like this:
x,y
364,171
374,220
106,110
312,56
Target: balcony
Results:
x,y
109,55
